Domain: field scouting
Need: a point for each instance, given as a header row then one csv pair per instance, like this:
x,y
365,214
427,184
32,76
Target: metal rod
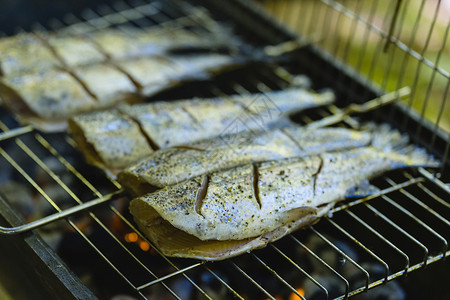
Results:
x,y
313,280
361,245
360,108
366,274
170,275
312,253
381,237
59,215
398,228
293,290
378,194
252,281
15,132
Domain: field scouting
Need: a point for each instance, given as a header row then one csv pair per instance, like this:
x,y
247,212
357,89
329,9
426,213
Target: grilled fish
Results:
x,y
167,124
47,99
34,52
131,42
25,53
172,165
227,213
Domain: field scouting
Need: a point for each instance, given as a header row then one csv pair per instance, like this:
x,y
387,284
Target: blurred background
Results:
x,y
354,31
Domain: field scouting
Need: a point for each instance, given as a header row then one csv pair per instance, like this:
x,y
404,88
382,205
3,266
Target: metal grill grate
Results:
x,y
367,243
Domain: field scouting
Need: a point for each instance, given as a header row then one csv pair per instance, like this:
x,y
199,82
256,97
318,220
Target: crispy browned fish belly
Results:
x,y
166,124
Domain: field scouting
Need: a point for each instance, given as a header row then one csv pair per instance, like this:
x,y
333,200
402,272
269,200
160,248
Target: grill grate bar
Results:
x,y
385,191
366,274
399,44
306,274
423,205
394,276
398,228
10,133
104,257
250,278
141,287
381,237
362,246
275,274
417,220
224,283
324,263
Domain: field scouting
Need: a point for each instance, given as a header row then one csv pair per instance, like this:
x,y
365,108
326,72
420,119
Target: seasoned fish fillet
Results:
x,y
157,73
132,42
76,50
109,85
130,145
169,166
45,99
25,53
247,207
166,124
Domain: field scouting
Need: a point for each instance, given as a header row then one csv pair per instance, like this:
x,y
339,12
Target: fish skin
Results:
x,y
25,53
170,166
230,210
109,85
47,99
130,42
129,145
74,50
181,122
157,73
28,52
52,95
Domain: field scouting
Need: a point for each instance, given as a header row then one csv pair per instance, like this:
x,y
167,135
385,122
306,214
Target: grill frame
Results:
x,y
424,177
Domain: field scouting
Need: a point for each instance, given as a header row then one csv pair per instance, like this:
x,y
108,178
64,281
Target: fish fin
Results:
x,y
362,190
413,156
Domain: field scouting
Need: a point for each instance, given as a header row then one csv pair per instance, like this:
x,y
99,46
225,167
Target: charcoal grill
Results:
x,y
363,245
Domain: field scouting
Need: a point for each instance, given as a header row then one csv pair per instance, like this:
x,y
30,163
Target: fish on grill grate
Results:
x,y
45,78
172,165
47,99
28,53
166,124
227,213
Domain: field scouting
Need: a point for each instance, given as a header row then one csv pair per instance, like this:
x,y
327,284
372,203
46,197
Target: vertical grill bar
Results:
x,y
324,263
312,279
398,228
366,274
275,274
361,245
417,220
381,237
250,278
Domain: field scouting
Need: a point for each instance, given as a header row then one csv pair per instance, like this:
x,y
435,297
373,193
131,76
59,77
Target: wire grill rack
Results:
x,y
366,243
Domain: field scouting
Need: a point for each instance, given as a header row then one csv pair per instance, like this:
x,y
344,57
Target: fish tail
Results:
x,y
396,144
385,138
418,157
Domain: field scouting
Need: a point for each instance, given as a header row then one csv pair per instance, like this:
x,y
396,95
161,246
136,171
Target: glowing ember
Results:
x,y
144,246
294,296
131,237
